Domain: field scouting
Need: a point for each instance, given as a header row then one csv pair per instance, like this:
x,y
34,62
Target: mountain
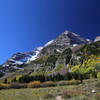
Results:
x,y
19,59
65,40
48,59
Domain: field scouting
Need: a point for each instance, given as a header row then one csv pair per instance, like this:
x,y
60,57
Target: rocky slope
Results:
x,y
19,59
50,58
65,40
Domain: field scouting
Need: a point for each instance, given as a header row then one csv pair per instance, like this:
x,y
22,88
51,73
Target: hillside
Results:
x,y
68,49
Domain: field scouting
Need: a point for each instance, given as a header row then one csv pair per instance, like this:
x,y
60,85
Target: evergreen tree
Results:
x,y
5,81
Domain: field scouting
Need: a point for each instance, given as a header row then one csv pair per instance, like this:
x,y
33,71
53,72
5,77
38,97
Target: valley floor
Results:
x,y
89,90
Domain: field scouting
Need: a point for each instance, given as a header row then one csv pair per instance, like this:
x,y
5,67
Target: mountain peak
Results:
x,y
70,38
66,32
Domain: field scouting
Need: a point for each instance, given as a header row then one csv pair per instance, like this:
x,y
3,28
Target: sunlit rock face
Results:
x,y
65,40
97,39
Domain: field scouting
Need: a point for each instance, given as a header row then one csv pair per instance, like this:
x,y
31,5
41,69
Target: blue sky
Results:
x,y
26,24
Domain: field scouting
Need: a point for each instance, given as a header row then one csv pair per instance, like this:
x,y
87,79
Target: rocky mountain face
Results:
x,y
65,40
56,52
19,59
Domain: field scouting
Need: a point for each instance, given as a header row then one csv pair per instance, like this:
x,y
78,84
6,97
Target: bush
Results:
x,y
48,84
89,80
34,84
98,75
18,85
73,82
70,82
4,86
62,83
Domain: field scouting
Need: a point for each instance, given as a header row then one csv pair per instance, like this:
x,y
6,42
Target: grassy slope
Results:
x,y
83,92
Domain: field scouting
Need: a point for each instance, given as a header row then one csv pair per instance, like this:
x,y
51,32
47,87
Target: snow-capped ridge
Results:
x,y
48,43
97,39
36,53
21,58
66,32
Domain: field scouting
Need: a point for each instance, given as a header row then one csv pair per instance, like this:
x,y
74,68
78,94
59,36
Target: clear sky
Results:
x,y
26,24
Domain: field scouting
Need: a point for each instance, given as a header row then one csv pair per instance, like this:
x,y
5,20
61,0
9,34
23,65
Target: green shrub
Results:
x,y
18,85
59,67
48,84
62,83
73,82
34,84
70,82
41,60
98,75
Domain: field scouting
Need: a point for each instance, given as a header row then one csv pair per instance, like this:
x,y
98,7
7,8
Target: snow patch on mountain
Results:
x,y
36,53
22,58
97,39
74,45
58,50
16,67
18,62
68,32
50,42
39,48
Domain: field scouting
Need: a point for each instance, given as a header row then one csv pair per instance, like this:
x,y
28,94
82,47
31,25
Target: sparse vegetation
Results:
x,y
18,85
72,92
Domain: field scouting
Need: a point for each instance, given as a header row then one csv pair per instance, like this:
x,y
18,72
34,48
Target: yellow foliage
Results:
x,y
4,86
34,84
9,80
91,61
68,66
75,68
18,76
48,84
